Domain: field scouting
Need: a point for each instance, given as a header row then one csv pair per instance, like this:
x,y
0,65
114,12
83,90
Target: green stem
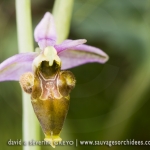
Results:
x,y
62,14
25,44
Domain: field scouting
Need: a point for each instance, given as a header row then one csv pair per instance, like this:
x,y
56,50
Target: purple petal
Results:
x,y
13,67
67,44
82,54
45,32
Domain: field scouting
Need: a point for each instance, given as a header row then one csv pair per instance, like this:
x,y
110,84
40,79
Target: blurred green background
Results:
x,y
110,101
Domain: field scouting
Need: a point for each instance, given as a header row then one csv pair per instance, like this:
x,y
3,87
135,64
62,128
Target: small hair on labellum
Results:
x,y
27,81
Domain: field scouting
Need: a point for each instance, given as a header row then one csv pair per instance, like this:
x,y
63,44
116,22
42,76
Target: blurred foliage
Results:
x,y
121,29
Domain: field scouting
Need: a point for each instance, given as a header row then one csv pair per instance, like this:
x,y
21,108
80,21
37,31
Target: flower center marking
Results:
x,y
49,88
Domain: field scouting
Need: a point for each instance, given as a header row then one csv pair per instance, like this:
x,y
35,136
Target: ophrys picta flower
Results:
x,y
43,74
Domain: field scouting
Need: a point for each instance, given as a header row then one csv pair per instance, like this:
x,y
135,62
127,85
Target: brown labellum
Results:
x,y
49,88
50,98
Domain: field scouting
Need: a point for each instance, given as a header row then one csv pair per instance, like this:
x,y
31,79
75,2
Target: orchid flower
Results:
x,y
40,74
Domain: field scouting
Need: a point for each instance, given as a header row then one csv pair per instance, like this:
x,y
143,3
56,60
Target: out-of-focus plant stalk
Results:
x,y
25,44
62,14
